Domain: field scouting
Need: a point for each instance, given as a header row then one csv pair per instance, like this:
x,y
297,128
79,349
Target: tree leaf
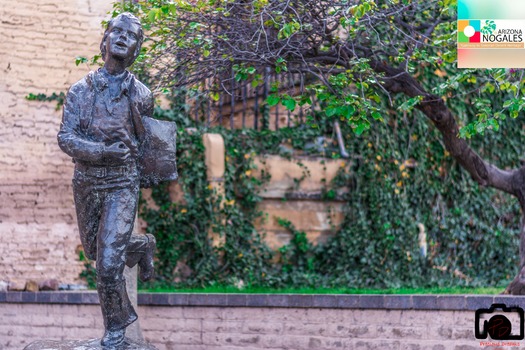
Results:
x,y
272,100
289,103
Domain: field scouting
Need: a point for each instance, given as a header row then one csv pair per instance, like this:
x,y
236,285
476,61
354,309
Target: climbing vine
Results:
x,y
401,182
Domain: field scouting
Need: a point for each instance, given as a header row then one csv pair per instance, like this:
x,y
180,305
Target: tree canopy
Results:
x,y
361,53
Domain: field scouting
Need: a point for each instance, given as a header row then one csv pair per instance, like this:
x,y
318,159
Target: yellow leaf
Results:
x,y
440,73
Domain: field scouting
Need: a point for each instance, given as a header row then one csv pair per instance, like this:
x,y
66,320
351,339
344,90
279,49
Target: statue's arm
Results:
x,y
142,109
70,138
148,104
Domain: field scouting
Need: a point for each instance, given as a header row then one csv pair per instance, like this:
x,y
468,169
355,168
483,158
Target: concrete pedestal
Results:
x,y
92,344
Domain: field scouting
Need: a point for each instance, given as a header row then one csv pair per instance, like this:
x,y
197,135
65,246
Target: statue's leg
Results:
x,y
88,204
115,228
141,250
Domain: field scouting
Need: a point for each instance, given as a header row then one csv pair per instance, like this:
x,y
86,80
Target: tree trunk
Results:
x,y
486,174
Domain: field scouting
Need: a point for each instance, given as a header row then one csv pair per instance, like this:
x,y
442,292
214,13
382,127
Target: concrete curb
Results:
x,y
338,301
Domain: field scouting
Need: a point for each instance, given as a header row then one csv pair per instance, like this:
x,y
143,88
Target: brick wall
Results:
x,y
228,322
38,233
40,40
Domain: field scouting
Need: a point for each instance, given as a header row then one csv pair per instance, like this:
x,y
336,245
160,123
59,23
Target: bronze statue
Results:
x,y
117,147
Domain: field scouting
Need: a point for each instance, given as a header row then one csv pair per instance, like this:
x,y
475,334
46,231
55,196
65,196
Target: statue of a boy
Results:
x,y
107,130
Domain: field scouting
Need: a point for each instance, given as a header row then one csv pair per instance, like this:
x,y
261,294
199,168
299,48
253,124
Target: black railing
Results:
x,y
241,105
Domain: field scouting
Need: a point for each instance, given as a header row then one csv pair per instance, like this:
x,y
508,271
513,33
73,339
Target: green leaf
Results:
x,y
152,14
272,100
494,124
289,103
195,25
214,96
330,112
377,116
304,100
507,103
360,128
80,59
480,127
410,103
347,111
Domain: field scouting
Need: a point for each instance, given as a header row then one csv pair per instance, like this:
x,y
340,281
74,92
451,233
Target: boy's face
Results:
x,y
122,40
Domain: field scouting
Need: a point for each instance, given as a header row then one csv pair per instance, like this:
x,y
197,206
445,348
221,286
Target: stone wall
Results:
x,y
294,192
254,322
301,202
40,40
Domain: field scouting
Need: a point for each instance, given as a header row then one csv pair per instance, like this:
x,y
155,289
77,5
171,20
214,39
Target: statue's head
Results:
x,y
123,38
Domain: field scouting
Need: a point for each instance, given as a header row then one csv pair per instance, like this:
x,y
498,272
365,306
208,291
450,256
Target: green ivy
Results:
x,y
401,179
58,98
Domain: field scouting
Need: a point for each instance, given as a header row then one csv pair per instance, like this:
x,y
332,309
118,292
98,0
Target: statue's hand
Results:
x,y
116,152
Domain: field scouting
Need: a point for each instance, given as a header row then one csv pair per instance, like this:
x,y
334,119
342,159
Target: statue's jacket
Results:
x,y
156,160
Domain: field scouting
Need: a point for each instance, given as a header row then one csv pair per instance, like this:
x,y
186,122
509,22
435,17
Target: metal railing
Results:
x,y
241,105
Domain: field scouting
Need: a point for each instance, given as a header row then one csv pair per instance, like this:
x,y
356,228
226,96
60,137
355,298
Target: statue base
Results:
x,y
92,344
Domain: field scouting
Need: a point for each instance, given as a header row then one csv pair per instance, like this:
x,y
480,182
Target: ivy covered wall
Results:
x,y
401,186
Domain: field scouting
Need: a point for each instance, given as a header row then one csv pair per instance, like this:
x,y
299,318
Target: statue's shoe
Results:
x,y
147,268
113,338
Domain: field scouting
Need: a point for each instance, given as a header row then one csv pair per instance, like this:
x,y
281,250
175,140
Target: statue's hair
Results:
x,y
127,17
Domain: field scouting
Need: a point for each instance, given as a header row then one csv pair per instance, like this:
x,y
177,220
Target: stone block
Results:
x,y
222,326
313,172
31,286
16,285
475,302
397,302
451,302
214,156
350,331
257,327
424,302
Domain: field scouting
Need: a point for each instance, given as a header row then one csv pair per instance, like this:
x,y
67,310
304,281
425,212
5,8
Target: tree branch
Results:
x,y
434,108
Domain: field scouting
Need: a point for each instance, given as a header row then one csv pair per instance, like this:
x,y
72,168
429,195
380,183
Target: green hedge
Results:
x,y
400,177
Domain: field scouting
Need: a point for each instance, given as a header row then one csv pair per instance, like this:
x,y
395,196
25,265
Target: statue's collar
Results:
x,y
101,80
